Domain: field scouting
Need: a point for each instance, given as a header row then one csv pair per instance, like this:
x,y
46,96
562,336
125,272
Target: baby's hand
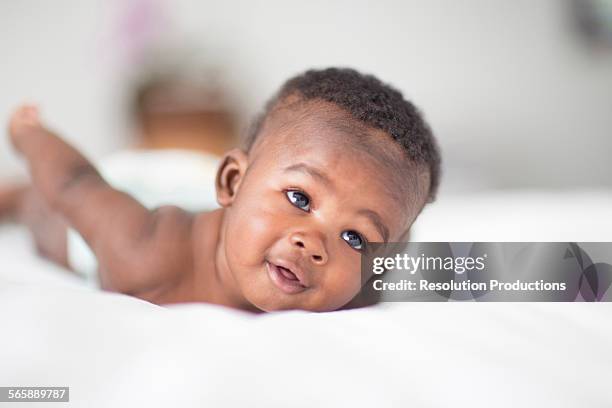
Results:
x,y
23,120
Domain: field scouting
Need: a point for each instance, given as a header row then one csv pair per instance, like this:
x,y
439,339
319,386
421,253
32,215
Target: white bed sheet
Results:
x,y
116,351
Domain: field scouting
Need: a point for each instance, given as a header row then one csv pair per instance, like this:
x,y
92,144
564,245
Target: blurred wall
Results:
x,y
514,96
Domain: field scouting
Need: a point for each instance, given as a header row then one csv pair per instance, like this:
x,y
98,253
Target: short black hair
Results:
x,y
371,102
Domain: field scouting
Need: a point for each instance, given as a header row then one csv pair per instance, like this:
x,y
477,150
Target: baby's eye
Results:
x,y
300,200
354,240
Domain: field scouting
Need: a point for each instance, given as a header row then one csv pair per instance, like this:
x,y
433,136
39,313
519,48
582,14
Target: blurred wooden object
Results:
x,y
177,114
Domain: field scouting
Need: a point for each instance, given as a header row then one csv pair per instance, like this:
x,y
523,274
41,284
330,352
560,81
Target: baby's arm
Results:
x,y
137,250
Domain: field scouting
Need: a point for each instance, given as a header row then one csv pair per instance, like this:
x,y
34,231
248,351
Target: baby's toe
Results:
x,y
26,116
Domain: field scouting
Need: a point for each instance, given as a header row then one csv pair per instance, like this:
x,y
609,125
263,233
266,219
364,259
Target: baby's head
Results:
x,y
336,161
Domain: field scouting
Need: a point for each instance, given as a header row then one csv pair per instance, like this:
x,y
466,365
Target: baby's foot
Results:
x,y
24,119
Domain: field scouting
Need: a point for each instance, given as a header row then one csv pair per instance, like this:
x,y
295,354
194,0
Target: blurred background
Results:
x,y
519,93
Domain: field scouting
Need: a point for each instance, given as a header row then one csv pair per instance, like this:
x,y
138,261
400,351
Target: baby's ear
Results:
x,y
229,176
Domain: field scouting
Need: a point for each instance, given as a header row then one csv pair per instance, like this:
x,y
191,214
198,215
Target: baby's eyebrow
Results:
x,y
322,177
378,223
315,173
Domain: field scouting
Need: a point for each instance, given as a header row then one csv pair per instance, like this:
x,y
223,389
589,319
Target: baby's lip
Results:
x,y
293,268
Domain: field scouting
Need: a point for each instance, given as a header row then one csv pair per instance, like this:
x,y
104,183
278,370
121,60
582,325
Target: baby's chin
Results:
x,y
274,301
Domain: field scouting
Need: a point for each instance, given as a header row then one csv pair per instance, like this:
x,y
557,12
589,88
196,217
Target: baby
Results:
x,y
336,161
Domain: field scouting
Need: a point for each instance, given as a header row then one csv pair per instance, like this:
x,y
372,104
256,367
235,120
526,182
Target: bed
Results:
x,y
116,351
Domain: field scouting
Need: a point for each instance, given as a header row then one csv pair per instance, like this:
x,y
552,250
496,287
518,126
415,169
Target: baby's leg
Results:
x,y
10,197
25,205
47,227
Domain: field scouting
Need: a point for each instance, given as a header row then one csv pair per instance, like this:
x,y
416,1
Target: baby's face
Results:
x,y
307,207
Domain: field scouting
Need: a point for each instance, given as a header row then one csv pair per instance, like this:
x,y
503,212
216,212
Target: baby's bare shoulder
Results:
x,y
182,266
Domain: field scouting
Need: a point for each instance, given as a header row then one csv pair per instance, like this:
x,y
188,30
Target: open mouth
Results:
x,y
284,279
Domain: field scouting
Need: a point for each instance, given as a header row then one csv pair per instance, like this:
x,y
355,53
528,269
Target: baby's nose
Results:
x,y
311,246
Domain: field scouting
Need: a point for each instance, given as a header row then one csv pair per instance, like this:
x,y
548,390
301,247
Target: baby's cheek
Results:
x,y
252,233
342,284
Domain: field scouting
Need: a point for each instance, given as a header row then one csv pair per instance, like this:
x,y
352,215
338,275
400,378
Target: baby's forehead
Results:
x,y
313,117
351,153
301,125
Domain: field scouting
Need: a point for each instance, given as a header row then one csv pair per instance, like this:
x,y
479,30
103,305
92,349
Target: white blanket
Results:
x,y
117,351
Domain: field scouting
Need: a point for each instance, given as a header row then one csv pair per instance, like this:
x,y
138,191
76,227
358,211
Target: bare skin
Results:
x,y
297,211
10,197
